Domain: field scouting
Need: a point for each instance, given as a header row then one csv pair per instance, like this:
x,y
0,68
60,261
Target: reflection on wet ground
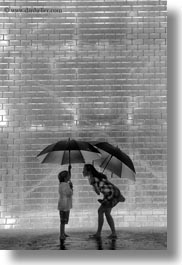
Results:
x,y
111,244
96,243
127,239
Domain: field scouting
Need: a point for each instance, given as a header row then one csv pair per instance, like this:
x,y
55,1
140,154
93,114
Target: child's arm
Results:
x,y
69,191
69,170
109,197
96,189
71,184
93,183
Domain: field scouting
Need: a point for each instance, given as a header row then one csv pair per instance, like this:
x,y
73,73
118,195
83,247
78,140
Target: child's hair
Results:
x,y
95,173
62,175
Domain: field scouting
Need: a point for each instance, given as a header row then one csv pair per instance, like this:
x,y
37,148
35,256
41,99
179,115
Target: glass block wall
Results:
x,y
88,70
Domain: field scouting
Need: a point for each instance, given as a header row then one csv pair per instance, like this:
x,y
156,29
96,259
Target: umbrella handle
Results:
x,y
69,169
69,151
107,163
69,159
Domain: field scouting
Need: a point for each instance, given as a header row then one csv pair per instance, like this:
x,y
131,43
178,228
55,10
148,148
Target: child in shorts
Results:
x,y
65,199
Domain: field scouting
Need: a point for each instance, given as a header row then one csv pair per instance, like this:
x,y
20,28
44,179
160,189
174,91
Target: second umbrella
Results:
x,y
115,160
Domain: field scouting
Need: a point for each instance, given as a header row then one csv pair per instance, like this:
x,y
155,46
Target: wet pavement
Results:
x,y
127,239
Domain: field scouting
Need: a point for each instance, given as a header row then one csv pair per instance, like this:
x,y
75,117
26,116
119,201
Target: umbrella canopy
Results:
x,y
115,160
69,152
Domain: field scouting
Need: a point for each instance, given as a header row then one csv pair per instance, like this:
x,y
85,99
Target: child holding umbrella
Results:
x,y
65,199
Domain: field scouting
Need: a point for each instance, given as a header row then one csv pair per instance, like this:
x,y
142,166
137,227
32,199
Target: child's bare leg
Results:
x,y
62,233
110,222
100,222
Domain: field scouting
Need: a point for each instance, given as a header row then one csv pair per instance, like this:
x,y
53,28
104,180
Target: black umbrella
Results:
x,y
115,160
69,152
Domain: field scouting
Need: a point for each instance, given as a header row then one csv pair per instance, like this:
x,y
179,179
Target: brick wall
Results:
x,y
86,70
